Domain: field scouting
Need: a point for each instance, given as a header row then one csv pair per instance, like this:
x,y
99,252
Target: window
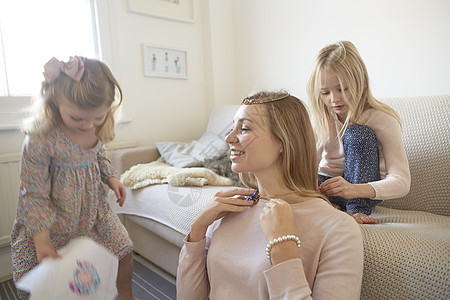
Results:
x,y
32,32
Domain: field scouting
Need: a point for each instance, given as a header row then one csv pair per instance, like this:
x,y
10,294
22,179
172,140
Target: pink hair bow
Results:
x,y
74,68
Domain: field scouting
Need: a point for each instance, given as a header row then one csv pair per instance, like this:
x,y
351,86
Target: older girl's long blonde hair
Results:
x,y
290,124
97,87
344,61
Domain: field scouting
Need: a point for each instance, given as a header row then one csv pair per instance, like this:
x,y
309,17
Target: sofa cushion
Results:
x,y
193,154
175,207
406,255
426,136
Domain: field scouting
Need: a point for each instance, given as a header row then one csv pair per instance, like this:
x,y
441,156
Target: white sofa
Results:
x,y
407,255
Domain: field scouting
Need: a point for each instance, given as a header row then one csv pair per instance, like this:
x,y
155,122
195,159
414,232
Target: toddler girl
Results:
x,y
362,158
63,166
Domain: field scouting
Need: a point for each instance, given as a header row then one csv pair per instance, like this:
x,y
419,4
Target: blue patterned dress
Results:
x,y
61,190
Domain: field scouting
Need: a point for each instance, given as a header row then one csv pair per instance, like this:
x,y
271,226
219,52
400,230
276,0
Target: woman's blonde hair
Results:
x,y
290,124
343,60
97,87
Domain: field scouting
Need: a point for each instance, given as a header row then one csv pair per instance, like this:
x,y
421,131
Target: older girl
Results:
x,y
362,158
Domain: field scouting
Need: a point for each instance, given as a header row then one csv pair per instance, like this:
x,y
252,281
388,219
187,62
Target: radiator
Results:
x,y
9,187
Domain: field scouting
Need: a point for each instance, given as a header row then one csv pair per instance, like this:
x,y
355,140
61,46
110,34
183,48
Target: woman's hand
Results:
x,y
338,186
277,219
44,247
223,203
118,188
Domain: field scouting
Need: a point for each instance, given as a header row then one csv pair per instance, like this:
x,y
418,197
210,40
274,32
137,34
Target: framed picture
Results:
x,y
163,62
179,10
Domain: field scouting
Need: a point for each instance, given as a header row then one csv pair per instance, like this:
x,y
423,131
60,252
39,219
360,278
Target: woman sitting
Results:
x,y
281,239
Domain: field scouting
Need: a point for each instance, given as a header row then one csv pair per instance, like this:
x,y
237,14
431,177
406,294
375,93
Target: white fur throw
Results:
x,y
159,171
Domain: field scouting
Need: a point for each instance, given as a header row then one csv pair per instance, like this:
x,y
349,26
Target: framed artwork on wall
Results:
x,y
164,62
179,10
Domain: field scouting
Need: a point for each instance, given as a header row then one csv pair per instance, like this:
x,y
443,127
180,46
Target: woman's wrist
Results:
x,y
197,233
282,249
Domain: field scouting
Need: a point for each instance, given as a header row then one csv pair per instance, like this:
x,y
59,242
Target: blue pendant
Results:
x,y
254,197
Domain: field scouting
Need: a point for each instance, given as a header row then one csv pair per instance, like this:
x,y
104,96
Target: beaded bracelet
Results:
x,y
275,241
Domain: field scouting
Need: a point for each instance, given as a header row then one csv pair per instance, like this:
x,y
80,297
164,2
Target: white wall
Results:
x,y
404,43
219,40
160,108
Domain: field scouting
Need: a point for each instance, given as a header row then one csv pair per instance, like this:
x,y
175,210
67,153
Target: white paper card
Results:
x,y
86,270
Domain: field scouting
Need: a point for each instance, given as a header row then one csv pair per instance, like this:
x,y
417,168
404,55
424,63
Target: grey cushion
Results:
x,y
193,154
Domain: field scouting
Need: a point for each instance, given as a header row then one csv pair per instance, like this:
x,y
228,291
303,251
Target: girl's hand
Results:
x,y
277,220
118,188
338,186
223,203
44,247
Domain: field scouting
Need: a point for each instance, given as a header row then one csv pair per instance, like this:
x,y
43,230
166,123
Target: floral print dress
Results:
x,y
61,191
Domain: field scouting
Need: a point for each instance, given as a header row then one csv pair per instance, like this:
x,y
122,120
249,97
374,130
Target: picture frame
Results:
x,y
164,62
178,10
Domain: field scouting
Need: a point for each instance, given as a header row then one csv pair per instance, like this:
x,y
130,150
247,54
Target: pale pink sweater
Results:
x,y
231,262
394,168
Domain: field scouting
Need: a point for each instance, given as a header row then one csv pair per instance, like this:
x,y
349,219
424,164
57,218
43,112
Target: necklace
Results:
x,y
256,196
278,196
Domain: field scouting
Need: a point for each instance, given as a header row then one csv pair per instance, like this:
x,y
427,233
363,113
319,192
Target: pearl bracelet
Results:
x,y
275,241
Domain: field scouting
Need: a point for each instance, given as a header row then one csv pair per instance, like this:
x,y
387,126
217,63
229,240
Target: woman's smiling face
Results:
x,y
253,146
